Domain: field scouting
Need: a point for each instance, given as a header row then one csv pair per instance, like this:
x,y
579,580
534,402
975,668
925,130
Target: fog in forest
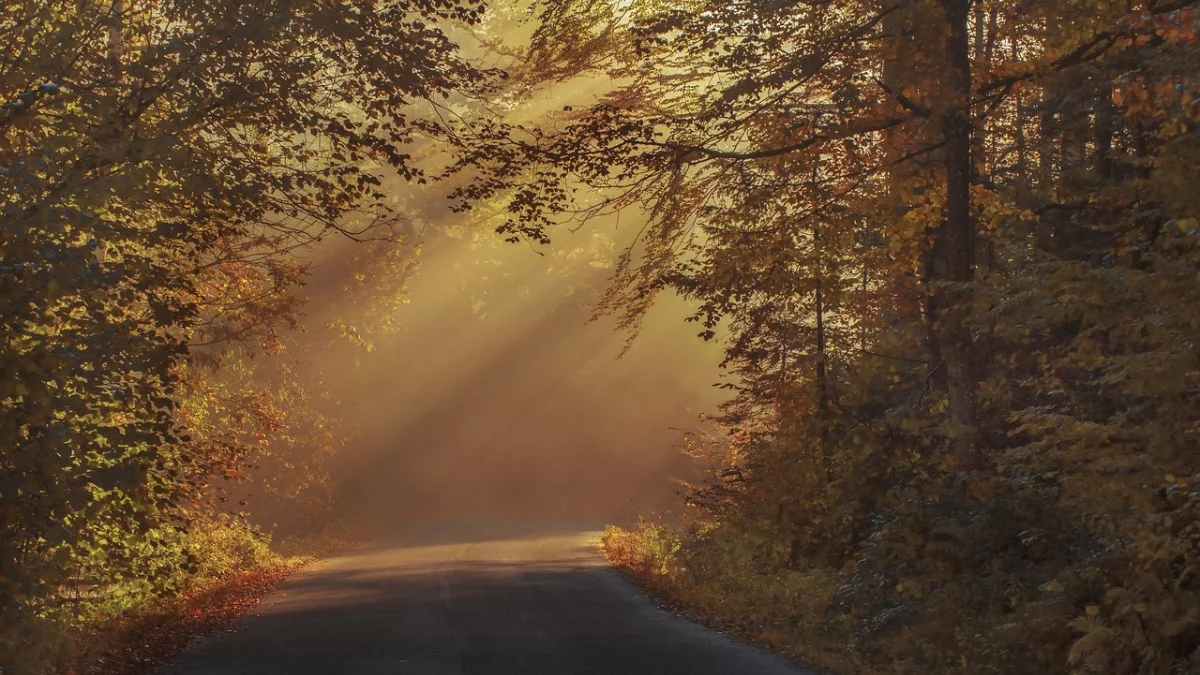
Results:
x,y
500,395
503,392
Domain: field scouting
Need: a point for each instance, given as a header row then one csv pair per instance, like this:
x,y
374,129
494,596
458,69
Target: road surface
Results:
x,y
470,597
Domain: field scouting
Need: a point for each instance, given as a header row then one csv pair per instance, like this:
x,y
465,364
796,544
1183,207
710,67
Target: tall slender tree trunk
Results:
x,y
1103,132
862,325
822,370
953,264
822,367
1022,168
116,33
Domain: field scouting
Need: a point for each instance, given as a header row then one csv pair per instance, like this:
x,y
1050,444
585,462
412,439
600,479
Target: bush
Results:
x,y
224,547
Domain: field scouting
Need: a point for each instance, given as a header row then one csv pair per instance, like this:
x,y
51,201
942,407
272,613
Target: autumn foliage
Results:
x,y
953,248
160,164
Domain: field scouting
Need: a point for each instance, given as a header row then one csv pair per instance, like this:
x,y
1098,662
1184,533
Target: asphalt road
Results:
x,y
470,597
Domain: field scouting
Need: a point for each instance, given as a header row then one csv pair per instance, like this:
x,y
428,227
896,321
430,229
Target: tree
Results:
x,y
152,155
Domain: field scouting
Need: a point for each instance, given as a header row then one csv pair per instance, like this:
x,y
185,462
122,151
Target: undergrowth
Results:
x,y
221,568
701,571
999,585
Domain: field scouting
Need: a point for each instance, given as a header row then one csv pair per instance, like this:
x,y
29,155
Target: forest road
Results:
x,y
478,596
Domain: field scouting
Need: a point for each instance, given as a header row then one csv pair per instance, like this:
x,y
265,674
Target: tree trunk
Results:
x,y
1103,132
953,265
1021,183
822,369
116,34
822,374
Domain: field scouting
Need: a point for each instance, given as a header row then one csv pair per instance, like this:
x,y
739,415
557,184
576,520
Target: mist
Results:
x,y
502,394
499,391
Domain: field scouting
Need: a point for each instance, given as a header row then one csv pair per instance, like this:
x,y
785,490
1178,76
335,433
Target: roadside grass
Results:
x,y
129,629
697,571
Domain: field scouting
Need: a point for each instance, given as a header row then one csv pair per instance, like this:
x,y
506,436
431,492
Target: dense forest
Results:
x,y
950,248
163,165
953,246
